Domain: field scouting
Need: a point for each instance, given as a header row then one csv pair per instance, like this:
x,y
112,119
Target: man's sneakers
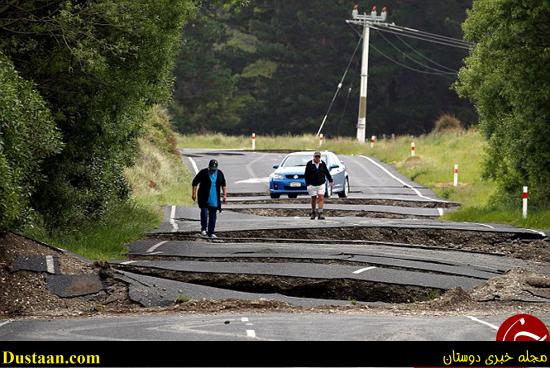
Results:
x,y
320,216
203,233
212,236
313,215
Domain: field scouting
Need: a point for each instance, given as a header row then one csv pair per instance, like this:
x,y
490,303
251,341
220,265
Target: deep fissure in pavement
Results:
x,y
338,289
352,201
261,259
297,212
528,246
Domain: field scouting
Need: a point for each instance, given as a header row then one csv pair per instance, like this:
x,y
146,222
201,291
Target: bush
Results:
x,y
27,136
447,123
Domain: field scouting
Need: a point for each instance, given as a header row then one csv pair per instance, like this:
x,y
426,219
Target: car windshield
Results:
x,y
299,160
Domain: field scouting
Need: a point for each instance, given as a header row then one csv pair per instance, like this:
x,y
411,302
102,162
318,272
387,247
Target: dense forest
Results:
x,y
273,67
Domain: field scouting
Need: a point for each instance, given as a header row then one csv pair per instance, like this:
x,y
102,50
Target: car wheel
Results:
x,y
345,192
293,196
273,195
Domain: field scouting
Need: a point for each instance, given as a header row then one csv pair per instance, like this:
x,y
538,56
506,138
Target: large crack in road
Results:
x,y
338,289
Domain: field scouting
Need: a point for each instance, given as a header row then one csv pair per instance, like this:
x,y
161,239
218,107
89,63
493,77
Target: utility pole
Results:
x,y
365,21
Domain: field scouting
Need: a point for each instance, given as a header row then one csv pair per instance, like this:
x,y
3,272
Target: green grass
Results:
x,y
182,298
433,165
104,240
159,176
536,219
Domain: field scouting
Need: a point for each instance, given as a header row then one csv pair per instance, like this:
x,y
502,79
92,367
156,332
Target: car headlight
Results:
x,y
277,177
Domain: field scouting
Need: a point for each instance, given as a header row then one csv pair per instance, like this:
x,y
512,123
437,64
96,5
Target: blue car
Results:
x,y
288,178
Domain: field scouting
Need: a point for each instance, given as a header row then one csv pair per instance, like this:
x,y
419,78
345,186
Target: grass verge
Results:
x,y
105,239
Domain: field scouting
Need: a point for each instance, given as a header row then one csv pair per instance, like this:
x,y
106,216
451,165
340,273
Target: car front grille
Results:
x,y
292,176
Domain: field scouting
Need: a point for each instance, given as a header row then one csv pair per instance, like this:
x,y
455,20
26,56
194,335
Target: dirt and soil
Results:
x,y
25,293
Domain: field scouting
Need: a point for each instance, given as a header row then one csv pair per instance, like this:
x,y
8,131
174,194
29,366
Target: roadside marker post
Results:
x,y
321,137
372,141
524,197
393,137
455,182
253,141
413,149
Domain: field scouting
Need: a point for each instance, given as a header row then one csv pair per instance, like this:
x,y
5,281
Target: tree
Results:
x,y
285,60
507,76
98,65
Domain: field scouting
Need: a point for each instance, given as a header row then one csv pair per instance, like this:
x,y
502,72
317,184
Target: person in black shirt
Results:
x,y
209,182
316,175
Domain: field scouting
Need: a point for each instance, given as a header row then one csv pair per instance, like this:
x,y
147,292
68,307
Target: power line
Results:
x,y
413,59
408,67
413,36
394,61
426,34
419,37
424,56
339,85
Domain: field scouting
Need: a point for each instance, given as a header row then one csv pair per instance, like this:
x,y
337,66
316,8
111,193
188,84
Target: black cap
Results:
x,y
213,163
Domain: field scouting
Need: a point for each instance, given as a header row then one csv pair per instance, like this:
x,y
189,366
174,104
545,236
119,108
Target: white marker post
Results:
x,y
372,141
455,182
253,141
525,196
413,149
321,139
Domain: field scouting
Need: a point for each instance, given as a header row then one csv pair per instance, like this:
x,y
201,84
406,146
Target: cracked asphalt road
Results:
x,y
175,251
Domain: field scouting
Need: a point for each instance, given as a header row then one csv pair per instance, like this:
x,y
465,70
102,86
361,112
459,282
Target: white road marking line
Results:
x,y
253,181
538,232
250,333
417,192
363,270
249,165
440,210
489,226
483,322
250,324
244,319
126,262
50,267
175,226
153,253
194,165
154,247
4,323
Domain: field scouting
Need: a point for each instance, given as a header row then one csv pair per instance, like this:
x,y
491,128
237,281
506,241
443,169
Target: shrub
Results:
x,y
447,122
27,136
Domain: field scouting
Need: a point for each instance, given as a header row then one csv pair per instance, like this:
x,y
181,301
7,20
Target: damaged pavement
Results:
x,y
382,251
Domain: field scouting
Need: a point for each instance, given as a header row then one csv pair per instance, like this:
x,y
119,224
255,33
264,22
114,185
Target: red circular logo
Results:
x,y
522,327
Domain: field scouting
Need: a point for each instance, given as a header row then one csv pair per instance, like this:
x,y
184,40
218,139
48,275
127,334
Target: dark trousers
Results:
x,y
208,219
